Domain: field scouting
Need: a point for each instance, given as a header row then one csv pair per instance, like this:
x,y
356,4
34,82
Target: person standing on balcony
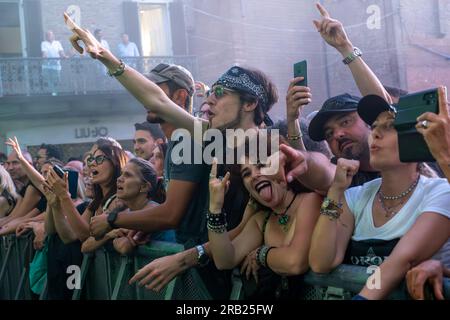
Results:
x,y
128,49
98,34
51,68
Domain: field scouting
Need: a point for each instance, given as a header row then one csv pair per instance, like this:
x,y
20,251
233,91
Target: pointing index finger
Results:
x,y
70,23
323,12
213,173
442,94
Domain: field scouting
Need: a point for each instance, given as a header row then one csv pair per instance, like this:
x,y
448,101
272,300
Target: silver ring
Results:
x,y
424,124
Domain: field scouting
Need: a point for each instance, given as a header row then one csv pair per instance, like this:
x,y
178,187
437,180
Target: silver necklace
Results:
x,y
401,195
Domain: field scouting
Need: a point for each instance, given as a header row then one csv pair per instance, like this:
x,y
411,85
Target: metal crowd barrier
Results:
x,y
15,257
105,275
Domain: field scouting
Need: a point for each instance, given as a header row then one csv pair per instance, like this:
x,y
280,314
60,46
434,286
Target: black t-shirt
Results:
x,y
59,257
192,228
369,252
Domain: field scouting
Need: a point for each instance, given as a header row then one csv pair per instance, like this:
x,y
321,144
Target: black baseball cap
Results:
x,y
370,107
343,103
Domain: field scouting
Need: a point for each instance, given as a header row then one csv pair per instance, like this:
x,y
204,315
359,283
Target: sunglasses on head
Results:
x,y
90,160
219,91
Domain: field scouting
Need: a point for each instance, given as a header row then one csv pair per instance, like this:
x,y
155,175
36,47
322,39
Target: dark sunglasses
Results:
x,y
219,91
98,159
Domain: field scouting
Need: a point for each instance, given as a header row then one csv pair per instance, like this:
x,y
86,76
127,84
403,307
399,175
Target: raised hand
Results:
x,y
435,128
345,170
295,162
297,98
14,144
332,31
52,199
217,189
201,89
57,185
92,45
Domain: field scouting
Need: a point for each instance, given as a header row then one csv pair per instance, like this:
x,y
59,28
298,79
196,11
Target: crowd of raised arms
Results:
x,y
340,195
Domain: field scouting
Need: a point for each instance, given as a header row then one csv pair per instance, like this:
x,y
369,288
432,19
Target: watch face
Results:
x,y
357,52
203,259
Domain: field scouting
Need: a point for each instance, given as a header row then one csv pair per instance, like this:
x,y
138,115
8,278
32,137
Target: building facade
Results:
x,y
406,42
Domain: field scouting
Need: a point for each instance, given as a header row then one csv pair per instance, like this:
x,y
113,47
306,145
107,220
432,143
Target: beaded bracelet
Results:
x,y
332,214
261,255
119,71
216,222
216,219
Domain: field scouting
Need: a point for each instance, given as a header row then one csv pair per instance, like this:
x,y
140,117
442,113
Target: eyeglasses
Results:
x,y
98,159
219,91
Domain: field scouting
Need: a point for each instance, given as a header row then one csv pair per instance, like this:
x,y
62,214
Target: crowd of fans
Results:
x,y
341,194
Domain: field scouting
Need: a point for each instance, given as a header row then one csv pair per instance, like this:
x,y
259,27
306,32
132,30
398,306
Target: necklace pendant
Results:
x,y
283,220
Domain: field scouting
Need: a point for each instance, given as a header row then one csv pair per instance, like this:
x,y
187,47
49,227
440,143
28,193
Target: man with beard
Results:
x,y
186,184
338,123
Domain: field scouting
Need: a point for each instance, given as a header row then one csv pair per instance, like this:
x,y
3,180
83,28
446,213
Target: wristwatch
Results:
x,y
202,257
112,217
352,56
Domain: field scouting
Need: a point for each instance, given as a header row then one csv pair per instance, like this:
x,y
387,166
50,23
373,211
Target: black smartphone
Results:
x,y
59,171
411,144
72,179
301,70
73,183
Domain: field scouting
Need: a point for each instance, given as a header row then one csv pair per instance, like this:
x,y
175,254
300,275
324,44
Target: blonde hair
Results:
x,y
6,183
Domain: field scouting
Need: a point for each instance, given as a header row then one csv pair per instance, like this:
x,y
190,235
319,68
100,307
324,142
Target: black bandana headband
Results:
x,y
239,79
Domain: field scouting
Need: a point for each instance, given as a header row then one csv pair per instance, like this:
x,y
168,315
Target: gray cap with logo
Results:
x,y
171,72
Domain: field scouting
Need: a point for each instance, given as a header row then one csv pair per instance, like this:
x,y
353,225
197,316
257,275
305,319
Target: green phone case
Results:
x,y
412,145
301,70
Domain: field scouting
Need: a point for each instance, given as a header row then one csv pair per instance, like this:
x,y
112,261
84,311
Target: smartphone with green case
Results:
x,y
301,70
412,145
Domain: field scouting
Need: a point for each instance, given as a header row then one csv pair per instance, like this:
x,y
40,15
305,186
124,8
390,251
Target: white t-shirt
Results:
x,y
430,195
129,50
52,50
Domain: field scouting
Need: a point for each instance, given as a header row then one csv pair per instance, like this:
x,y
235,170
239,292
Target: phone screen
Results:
x,y
300,70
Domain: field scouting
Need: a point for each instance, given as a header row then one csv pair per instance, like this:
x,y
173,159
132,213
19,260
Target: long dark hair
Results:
x,y
113,151
157,192
295,185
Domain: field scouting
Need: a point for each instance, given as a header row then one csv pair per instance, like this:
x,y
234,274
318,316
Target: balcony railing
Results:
x,y
73,76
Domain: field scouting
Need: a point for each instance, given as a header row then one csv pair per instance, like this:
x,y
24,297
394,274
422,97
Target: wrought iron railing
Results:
x,y
72,76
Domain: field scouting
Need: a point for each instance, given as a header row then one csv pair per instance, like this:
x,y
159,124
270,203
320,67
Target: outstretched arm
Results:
x,y
333,32
36,178
148,93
